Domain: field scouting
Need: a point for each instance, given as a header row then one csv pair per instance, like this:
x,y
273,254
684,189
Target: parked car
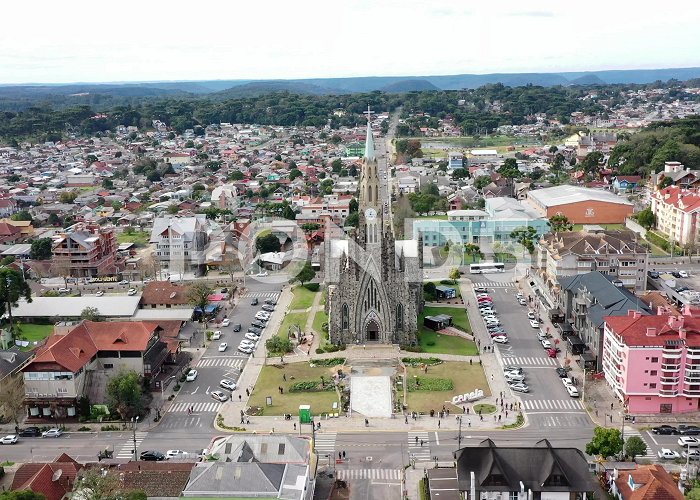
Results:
x,y
131,291
64,290
522,302
9,439
664,430
245,349
175,454
191,375
567,381
653,275
688,442
99,293
562,372
52,433
228,384
216,335
263,314
252,336
688,430
510,368
152,456
691,454
675,274
30,432
124,282
261,274
219,396
254,301
546,344
248,343
519,295
683,274
268,308
237,327
481,289
552,353
223,346
257,324
666,454
573,392
501,339
254,330
534,323
519,387
271,302
530,315
501,333
226,322
514,377
482,295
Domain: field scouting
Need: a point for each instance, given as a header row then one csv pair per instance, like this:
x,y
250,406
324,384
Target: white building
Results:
x,y
180,243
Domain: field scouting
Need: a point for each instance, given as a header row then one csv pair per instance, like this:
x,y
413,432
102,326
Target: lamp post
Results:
x,y
134,422
459,434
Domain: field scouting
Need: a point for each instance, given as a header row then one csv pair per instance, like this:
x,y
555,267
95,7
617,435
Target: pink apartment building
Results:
x,y
652,363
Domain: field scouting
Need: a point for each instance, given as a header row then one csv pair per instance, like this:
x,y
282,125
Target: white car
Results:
x,y
10,439
247,342
175,454
252,336
500,339
99,293
519,387
683,274
491,321
245,349
534,323
216,335
261,274
666,454
691,454
191,375
567,381
262,316
546,344
522,302
228,384
688,442
226,322
131,291
519,295
223,346
64,290
52,433
482,296
573,392
530,315
219,396
124,282
514,377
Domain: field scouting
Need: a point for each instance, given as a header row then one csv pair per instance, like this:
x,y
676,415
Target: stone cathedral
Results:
x,y
375,283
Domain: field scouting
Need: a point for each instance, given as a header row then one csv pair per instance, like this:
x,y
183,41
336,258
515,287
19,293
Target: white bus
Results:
x,y
487,267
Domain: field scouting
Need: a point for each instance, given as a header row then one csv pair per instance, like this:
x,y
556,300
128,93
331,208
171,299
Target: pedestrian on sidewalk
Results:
x,y
405,419
506,413
438,424
612,405
492,377
295,426
240,398
247,392
343,455
284,377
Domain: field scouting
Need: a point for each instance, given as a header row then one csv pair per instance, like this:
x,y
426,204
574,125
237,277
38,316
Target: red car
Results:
x,y
552,353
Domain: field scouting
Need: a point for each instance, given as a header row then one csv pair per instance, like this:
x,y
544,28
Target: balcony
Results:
x,y
691,393
692,354
669,380
671,353
668,393
671,368
691,379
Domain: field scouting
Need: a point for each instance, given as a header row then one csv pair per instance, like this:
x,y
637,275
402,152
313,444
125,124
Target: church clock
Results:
x,y
370,214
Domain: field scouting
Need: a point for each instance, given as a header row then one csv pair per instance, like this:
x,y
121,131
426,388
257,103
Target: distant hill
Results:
x,y
587,80
412,85
121,90
255,89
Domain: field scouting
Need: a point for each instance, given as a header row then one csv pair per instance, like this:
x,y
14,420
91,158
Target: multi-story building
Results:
x,y
581,205
586,300
601,143
494,224
652,363
615,253
225,197
180,243
86,250
337,207
455,160
677,174
676,209
74,363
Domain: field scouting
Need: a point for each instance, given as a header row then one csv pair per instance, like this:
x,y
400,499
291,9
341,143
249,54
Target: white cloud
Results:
x,y
157,40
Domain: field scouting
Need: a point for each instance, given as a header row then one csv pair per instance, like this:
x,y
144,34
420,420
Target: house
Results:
x,y
9,234
580,205
626,183
585,301
180,243
85,250
522,472
77,360
11,362
55,480
652,362
255,466
615,253
455,160
645,482
156,479
225,197
164,295
677,175
676,210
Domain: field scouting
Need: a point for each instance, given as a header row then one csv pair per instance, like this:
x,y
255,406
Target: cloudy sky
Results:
x,y
88,41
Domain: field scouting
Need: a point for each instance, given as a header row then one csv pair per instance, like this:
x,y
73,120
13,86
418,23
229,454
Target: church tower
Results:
x,y
370,204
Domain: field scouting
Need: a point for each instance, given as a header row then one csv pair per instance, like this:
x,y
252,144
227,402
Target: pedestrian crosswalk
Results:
x,y
127,449
631,431
509,359
552,404
494,284
419,446
261,295
221,361
196,407
382,474
577,420
325,443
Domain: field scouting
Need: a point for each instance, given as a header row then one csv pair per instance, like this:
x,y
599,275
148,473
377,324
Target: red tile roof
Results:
x,y
686,200
655,331
652,482
163,293
39,477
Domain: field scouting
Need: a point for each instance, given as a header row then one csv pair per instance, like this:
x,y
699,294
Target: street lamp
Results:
x,y
134,422
459,434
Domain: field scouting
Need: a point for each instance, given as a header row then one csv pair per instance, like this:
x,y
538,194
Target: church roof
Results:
x,y
369,142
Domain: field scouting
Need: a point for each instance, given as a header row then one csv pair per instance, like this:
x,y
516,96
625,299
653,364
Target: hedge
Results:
x,y
314,287
430,384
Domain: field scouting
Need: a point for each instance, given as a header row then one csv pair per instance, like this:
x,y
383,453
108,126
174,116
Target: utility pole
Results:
x,y
134,422
459,435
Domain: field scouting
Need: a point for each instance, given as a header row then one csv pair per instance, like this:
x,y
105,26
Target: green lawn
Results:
x,y
446,344
303,298
33,333
270,380
476,142
464,376
460,318
139,238
436,217
608,227
319,319
292,319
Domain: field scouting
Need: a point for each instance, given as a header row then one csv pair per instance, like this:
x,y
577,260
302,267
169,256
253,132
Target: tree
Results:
x,y
606,442
591,162
12,397
306,274
635,446
646,218
68,196
12,288
354,205
173,209
116,205
108,184
560,223
294,174
22,215
336,165
665,182
54,220
353,220
460,173
509,169
267,243
236,175
21,495
198,294
525,236
473,250
429,290
41,249
124,392
454,275
91,314
482,181
553,149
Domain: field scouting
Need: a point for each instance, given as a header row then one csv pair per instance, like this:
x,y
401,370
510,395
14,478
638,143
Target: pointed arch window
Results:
x,y
376,192
369,193
345,317
399,316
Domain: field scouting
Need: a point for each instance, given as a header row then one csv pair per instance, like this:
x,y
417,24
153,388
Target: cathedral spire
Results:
x,y
369,140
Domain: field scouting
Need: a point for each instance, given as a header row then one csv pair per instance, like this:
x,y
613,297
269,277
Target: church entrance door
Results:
x,y
372,331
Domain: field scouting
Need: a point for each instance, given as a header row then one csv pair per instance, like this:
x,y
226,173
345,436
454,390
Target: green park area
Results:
x,y
434,342
303,298
431,390
301,387
138,238
33,333
292,319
